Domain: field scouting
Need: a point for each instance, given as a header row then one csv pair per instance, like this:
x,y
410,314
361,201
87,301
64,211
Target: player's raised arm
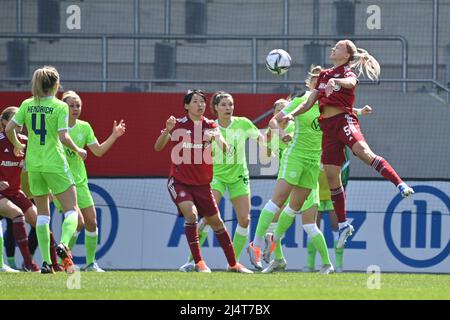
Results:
x,y
164,138
100,149
305,106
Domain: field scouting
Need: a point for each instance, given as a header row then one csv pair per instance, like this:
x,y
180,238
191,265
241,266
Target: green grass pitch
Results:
x,y
173,285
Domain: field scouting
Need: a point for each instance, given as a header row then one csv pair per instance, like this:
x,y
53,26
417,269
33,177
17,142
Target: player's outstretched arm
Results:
x,y
100,149
68,142
305,106
164,137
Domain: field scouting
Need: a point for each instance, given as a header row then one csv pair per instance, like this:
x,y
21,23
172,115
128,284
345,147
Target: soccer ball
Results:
x,y
278,61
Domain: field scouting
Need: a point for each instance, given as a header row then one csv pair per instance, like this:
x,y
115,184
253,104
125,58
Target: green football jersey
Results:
x,y
44,118
229,167
307,139
82,134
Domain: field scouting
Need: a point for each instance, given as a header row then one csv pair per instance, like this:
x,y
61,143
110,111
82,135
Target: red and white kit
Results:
x,y
343,129
191,168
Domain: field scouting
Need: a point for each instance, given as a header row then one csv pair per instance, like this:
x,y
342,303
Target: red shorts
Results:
x,y
20,200
339,131
201,196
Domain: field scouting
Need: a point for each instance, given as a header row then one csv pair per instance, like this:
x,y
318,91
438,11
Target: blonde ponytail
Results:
x,y
45,82
362,61
366,64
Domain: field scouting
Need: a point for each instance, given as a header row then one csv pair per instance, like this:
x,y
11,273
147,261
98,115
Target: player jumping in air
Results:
x,y
335,92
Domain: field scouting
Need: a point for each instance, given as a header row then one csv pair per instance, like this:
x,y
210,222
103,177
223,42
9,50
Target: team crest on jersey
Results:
x,y
315,124
337,75
292,174
337,87
182,194
6,150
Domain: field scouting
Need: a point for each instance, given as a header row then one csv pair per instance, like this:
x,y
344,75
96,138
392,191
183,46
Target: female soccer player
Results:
x,y
191,172
297,178
14,204
46,119
335,92
230,170
82,134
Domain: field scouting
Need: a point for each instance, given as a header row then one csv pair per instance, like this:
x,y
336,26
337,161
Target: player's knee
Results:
x,y
244,222
191,218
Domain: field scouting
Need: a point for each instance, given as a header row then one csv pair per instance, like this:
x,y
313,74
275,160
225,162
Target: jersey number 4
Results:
x,y
41,132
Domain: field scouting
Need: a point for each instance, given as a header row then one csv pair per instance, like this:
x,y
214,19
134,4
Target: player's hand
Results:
x,y
170,123
18,151
4,185
330,87
286,118
211,134
82,153
366,110
118,129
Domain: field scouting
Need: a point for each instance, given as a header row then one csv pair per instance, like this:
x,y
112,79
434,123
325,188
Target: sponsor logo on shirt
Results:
x,y
10,163
190,145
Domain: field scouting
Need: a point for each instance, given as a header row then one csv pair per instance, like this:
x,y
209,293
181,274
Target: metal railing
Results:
x,y
253,39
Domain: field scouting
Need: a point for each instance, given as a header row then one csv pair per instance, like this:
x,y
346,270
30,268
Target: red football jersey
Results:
x,y
341,97
10,165
191,155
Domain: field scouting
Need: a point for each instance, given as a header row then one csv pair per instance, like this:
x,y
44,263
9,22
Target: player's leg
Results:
x,y
221,232
3,266
362,150
13,212
339,252
77,232
240,198
266,253
63,188
281,193
190,214
183,198
333,173
31,218
310,248
89,215
309,221
297,199
10,244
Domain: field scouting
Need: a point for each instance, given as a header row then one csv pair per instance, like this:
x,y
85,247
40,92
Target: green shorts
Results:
x,y
236,189
312,200
326,205
42,183
301,173
84,198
